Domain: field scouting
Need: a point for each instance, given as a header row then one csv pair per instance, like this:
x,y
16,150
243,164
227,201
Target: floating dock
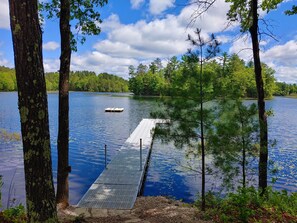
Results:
x,y
114,109
119,184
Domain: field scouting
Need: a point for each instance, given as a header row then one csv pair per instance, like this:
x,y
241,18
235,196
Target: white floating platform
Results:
x,y
119,184
114,109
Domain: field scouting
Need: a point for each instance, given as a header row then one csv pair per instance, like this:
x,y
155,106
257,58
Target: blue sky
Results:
x,y
138,31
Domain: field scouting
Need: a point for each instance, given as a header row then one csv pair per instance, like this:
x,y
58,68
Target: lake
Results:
x,y
91,128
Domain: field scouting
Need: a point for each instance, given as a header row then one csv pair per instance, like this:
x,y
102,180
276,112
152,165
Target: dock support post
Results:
x,y
140,154
105,154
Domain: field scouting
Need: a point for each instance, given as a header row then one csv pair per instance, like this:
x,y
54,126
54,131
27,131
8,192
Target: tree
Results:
x,y
131,69
191,88
293,11
246,13
87,24
170,68
141,69
32,102
62,197
233,141
211,51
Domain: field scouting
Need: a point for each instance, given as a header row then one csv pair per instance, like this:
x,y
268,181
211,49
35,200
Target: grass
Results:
x,y
15,214
246,205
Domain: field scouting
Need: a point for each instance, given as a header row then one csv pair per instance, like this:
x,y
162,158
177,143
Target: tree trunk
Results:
x,y
32,102
63,134
202,137
261,99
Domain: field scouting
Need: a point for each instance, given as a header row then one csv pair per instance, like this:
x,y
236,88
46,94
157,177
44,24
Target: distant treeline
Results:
x,y
155,79
79,81
284,89
231,74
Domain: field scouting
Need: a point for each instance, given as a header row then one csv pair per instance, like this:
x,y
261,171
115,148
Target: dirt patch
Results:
x,y
146,210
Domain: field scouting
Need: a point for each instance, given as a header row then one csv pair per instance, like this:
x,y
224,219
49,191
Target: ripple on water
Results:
x,y
91,128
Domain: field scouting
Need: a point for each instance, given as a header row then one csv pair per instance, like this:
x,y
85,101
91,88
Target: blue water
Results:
x,y
91,128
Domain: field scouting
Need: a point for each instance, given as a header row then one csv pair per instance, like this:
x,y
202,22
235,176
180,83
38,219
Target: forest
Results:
x,y
154,80
79,81
231,72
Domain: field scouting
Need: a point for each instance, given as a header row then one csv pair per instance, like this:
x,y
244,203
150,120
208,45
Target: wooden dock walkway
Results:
x,y
119,184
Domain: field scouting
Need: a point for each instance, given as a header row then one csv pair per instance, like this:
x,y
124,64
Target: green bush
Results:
x,y
246,205
15,214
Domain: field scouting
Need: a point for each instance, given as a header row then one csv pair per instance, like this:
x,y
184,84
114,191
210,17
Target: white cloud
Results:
x,y
158,38
242,46
4,61
51,45
286,74
4,15
282,58
285,54
99,62
136,3
143,41
51,65
159,6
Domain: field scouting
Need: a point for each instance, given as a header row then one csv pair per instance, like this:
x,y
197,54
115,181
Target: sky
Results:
x,y
139,31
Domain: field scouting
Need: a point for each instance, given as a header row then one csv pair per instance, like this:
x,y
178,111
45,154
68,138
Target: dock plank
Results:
x,y
119,184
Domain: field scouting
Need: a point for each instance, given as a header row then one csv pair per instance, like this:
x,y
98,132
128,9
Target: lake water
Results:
x,y
91,128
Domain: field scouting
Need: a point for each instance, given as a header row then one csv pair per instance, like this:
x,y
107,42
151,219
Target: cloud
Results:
x,y
99,62
285,54
136,3
286,74
144,41
282,58
242,46
4,61
164,37
4,15
51,65
51,45
157,7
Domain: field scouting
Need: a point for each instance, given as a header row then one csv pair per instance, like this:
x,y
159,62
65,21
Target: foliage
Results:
x,y
234,141
79,81
7,79
293,11
233,76
284,89
148,81
246,205
241,11
14,215
89,81
84,14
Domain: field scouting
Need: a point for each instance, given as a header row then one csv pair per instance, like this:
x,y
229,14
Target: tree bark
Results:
x,y
261,99
33,108
63,132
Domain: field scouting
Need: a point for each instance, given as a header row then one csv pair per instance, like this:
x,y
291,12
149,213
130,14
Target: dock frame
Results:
x,y
119,184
